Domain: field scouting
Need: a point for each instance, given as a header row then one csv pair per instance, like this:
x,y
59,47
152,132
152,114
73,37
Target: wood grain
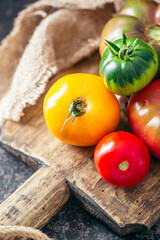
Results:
x,y
42,195
36,201
124,210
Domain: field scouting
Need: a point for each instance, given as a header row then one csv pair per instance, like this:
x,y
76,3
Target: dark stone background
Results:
x,y
72,222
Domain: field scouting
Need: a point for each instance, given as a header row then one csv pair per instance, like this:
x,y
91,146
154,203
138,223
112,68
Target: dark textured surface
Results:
x,y
72,222
12,174
8,11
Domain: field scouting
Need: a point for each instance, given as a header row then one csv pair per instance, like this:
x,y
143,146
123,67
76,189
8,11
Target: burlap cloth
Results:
x,y
48,36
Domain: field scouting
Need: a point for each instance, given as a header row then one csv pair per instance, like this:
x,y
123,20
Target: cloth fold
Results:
x,y
47,37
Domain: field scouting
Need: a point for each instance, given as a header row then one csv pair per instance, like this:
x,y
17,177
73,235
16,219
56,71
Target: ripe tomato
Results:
x,y
128,65
144,116
139,19
79,110
122,159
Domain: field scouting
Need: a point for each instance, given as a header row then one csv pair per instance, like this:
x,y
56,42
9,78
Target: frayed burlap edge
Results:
x,y
26,86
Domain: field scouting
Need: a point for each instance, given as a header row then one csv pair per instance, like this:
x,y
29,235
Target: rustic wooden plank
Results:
x,y
124,210
30,140
36,201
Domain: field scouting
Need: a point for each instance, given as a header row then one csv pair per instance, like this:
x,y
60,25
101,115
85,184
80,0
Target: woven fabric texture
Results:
x,y
48,36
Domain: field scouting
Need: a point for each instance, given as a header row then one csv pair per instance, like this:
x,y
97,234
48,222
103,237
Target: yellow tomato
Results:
x,y
80,110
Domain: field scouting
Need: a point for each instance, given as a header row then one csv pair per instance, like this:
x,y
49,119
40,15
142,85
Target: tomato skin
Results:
x,y
139,19
102,113
158,14
144,116
112,31
124,77
116,148
141,9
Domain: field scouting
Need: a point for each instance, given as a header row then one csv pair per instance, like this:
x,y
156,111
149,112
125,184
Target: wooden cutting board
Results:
x,y
61,168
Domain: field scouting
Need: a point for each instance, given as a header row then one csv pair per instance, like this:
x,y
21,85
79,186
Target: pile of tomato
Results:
x,y
82,109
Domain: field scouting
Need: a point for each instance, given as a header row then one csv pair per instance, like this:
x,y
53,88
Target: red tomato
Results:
x,y
122,159
144,116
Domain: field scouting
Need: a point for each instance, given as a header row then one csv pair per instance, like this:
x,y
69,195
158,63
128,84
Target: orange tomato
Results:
x,y
79,110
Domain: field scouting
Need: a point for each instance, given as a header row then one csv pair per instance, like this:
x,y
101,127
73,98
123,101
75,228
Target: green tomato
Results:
x,y
128,65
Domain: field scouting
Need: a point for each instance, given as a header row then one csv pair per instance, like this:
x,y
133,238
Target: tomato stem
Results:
x,y
124,165
125,52
76,108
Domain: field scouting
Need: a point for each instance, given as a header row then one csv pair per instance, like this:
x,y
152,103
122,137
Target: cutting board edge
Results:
x,y
35,163
93,208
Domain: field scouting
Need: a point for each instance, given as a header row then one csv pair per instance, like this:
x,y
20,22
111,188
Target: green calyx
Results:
x,y
125,52
76,108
